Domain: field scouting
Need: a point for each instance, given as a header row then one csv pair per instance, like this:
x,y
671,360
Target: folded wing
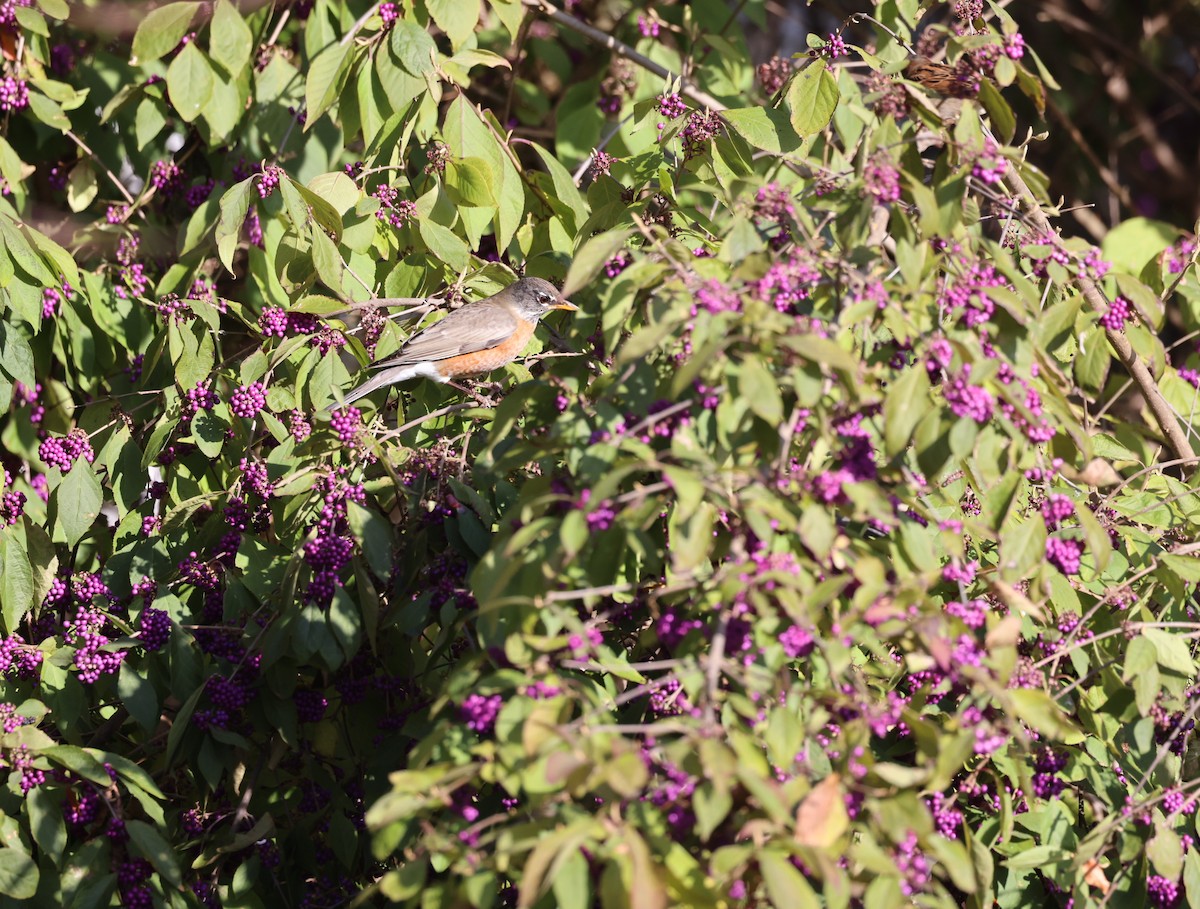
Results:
x,y
477,326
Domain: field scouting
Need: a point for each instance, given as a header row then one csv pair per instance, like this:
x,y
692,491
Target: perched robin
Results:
x,y
471,341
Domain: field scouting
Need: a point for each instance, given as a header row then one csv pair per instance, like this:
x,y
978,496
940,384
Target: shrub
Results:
x,y
839,552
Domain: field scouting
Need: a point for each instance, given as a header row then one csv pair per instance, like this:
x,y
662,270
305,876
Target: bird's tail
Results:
x,y
387,377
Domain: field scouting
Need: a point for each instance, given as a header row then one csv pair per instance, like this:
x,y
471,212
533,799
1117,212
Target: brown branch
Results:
x,y
1095,298
624,50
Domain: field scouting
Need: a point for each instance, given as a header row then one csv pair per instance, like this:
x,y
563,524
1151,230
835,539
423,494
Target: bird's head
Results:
x,y
534,297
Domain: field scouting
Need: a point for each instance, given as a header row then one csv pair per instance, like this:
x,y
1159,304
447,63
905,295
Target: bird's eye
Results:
x,y
544,298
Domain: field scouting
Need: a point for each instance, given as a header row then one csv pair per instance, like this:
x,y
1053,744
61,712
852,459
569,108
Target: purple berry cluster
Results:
x,y
14,94
602,163
1064,554
273,322
132,877
85,630
332,545
63,453
990,166
134,282
18,659
882,181
166,177
310,705
247,401
346,423
700,129
392,209
154,627
1056,509
797,642
833,48
671,106
299,425
268,182
970,401
1118,314
228,697
968,10
202,397
479,712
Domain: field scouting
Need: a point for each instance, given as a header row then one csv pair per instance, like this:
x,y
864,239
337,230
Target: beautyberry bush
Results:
x,y
841,551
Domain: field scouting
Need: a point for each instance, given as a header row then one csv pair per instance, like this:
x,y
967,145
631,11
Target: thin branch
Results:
x,y
1138,371
624,50
111,176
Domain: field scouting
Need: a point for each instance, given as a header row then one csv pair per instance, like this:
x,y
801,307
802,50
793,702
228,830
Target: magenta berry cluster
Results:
x,y
63,453
1117,316
248,400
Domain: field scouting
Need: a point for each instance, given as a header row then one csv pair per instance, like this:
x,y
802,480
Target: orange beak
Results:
x,y
566,304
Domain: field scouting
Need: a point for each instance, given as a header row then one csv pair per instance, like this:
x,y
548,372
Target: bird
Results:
x,y
959,81
472,340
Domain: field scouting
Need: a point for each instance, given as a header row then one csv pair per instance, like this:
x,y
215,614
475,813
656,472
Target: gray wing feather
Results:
x,y
477,326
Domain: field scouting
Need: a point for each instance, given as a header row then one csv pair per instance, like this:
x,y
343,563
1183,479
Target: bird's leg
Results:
x,y
483,400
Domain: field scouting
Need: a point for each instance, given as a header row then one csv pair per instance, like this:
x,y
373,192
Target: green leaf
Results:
x,y
231,41
1165,852
457,18
55,9
906,403
564,187
1191,878
234,205
445,244
58,257
760,389
1133,243
1093,360
413,47
81,186
1004,121
138,695
23,255
326,76
190,82
1171,651
162,30
473,182
328,261
31,20
591,257
712,805
18,873
77,501
323,212
16,583
79,761
811,99
16,356
48,111
764,127
151,844
46,823
1039,710
786,886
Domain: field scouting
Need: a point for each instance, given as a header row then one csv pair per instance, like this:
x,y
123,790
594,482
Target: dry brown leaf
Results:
x,y
821,818
1093,875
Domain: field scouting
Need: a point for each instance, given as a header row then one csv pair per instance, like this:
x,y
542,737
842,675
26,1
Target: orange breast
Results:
x,y
481,361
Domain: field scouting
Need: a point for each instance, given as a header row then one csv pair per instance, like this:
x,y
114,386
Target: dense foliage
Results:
x,y
839,552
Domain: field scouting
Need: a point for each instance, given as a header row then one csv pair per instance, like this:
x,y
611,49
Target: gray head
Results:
x,y
534,297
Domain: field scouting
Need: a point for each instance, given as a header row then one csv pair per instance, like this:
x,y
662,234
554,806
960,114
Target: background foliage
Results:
x,y
828,557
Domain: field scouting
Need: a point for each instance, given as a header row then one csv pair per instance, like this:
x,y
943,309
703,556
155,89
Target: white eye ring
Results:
x,y
544,297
